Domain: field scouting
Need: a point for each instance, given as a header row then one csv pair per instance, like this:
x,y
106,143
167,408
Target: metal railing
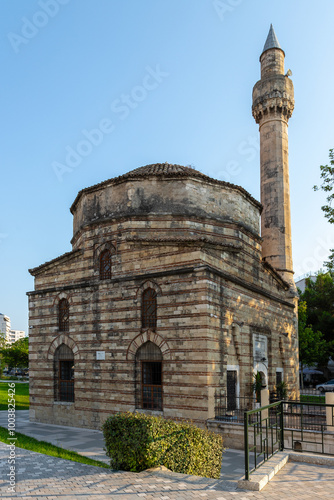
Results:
x,y
304,415
265,429
263,434
232,410
306,421
310,391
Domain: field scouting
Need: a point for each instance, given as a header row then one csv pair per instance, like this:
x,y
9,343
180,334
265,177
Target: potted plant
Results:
x,y
281,391
257,386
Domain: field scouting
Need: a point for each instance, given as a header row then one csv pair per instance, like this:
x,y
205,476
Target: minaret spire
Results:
x,y
273,103
272,41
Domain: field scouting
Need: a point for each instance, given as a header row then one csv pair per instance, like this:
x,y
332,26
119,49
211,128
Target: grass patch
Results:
x,y
312,398
21,396
32,444
15,377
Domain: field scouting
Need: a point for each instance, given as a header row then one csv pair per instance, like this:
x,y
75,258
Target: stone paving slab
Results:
x,y
260,477
43,477
88,442
47,478
39,476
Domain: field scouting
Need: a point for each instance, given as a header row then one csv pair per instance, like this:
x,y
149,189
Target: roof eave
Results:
x,y
35,271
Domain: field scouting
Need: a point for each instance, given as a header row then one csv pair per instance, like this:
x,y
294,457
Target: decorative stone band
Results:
x,y
276,102
188,241
63,339
144,337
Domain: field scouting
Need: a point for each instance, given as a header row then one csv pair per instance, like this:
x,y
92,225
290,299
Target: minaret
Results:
x,y
273,103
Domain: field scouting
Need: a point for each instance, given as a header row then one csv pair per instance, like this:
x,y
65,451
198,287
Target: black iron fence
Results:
x,y
305,415
310,391
307,425
310,410
287,425
229,409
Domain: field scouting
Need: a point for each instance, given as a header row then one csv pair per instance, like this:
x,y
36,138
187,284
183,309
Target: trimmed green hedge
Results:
x,y
312,398
135,442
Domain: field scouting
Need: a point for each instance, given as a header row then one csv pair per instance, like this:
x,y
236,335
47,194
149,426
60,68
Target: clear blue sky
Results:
x,y
69,66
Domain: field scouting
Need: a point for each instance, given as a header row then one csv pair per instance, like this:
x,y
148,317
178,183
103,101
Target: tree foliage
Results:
x,y
327,185
329,264
312,345
17,354
2,345
319,296
316,320
327,177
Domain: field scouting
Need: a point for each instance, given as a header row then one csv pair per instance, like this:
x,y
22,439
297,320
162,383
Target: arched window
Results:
x,y
63,315
105,265
149,376
64,374
149,309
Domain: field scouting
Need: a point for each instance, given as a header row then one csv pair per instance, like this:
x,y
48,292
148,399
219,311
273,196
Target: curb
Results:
x,y
311,459
259,478
265,473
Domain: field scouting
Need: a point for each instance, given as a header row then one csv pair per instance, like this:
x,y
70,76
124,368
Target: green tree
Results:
x,y
329,264
17,354
327,178
327,185
319,296
313,347
2,345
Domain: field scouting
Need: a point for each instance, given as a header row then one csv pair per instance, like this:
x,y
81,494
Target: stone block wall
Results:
x,y
213,293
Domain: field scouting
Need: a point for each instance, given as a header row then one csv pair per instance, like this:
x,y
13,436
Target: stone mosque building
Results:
x,y
171,293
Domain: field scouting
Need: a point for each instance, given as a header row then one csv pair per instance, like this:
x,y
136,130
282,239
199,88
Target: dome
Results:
x,y
163,170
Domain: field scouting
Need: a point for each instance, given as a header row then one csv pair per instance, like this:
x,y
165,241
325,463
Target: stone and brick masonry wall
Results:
x,y
206,269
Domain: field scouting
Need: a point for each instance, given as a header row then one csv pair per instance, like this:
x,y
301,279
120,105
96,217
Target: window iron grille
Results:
x,y
149,352
231,386
64,374
105,265
152,385
279,378
66,380
63,315
148,377
149,309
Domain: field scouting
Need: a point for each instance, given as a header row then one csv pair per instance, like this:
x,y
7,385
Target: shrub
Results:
x,y
135,442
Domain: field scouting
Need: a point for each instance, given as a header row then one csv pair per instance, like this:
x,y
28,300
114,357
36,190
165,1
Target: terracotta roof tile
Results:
x,y
162,170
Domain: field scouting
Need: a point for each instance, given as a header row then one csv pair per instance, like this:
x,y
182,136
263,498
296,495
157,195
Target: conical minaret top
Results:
x,y
272,57
272,41
273,103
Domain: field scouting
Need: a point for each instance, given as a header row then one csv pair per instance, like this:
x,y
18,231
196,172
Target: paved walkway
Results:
x,y
91,442
85,441
48,478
